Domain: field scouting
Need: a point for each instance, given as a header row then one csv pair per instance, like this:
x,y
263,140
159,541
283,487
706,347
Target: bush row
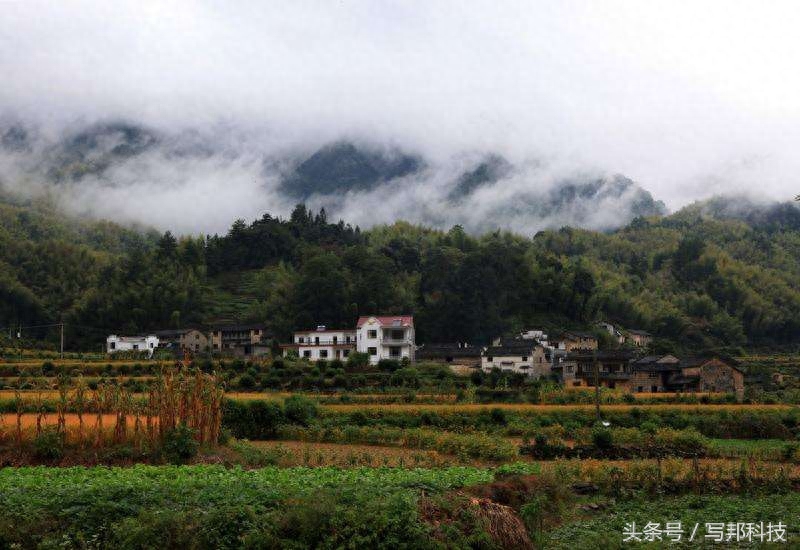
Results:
x,y
729,423
472,445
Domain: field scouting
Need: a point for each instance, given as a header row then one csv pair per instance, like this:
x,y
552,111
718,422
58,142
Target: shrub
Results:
x,y
389,365
252,419
682,442
499,416
336,364
48,368
246,381
789,451
357,360
649,427
299,409
179,444
602,439
49,445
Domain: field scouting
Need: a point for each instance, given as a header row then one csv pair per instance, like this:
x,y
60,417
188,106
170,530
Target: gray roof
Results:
x,y
448,350
517,350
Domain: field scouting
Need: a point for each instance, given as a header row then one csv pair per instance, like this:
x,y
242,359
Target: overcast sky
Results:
x,y
688,98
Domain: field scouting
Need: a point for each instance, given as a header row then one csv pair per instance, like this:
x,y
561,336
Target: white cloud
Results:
x,y
688,98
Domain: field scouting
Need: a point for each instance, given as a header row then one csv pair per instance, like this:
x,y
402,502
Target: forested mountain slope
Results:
x,y
718,274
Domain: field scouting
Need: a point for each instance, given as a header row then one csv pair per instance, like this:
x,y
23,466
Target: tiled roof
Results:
x,y
448,350
516,350
388,320
172,332
602,355
580,334
237,328
133,338
318,331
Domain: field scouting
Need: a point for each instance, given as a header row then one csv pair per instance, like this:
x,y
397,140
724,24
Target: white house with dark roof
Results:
x,y
116,343
526,356
386,337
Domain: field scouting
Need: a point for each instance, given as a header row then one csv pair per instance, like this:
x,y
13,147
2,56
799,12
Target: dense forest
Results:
x,y
718,274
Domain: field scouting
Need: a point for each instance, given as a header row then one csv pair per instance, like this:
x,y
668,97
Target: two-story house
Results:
x,y
237,339
183,338
527,357
613,368
322,343
386,337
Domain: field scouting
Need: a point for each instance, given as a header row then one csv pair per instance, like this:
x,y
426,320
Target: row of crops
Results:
x,y
217,507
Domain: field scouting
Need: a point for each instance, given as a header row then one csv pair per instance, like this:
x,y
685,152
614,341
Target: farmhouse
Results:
x,y
523,356
386,337
183,338
613,368
575,340
239,339
652,374
322,343
639,338
116,343
708,375
454,354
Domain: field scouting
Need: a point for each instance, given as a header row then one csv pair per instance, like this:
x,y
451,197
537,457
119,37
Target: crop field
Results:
x,y
604,528
367,468
144,505
301,453
529,407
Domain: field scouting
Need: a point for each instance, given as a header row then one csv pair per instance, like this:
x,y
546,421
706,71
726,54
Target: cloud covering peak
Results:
x,y
690,99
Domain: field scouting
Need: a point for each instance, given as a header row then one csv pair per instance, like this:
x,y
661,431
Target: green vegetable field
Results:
x,y
218,507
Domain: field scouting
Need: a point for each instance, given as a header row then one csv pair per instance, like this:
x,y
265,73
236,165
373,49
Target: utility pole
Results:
x,y
62,340
596,384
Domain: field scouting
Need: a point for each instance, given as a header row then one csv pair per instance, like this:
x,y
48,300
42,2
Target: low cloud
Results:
x,y
688,100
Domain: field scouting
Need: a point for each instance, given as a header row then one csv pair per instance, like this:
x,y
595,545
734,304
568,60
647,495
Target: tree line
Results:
x,y
695,281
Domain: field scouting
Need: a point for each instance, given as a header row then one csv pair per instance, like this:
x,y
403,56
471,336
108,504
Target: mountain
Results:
x,y
771,216
98,168
490,170
94,149
342,167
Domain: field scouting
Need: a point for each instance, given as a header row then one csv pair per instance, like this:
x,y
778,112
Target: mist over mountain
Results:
x,y
762,214
196,181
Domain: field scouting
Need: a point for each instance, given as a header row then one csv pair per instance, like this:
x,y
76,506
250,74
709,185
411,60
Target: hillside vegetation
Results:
x,y
720,274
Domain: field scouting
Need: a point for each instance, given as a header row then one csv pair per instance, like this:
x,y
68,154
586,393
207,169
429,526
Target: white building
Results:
x,y
116,343
523,356
538,335
386,337
322,343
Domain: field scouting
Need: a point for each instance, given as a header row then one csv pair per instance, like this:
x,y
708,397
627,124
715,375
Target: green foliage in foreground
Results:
x,y
215,507
605,529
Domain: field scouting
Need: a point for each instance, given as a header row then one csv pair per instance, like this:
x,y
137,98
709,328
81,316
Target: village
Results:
x,y
574,359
